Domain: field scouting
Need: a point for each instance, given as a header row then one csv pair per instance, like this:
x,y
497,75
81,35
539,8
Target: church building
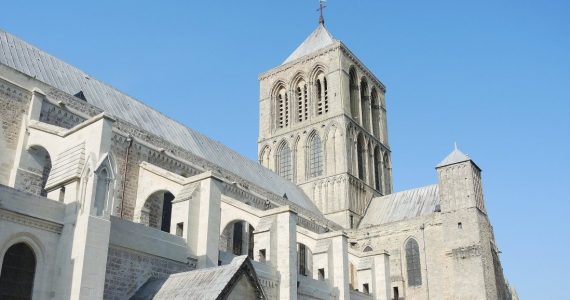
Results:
x,y
103,197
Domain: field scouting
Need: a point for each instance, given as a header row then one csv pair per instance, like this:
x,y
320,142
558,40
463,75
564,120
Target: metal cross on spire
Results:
x,y
321,9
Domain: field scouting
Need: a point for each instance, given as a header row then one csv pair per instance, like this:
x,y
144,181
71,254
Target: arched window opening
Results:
x,y
353,86
386,164
413,265
315,156
282,108
364,104
304,260
39,164
237,238
326,96
284,168
302,102
377,170
360,156
264,156
375,113
322,95
166,212
367,249
101,191
157,211
18,272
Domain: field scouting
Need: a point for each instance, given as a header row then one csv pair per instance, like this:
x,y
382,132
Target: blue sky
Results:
x,y
491,75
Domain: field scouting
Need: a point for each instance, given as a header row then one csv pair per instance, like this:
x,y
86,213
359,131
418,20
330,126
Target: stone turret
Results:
x,y
459,180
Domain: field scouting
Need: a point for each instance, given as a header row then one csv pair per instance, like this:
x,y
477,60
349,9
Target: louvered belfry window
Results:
x,y
302,102
322,95
282,109
413,265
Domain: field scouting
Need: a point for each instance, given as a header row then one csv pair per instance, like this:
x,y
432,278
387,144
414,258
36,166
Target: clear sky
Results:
x,y
491,75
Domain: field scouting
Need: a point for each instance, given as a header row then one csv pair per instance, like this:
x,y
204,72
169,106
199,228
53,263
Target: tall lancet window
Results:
x,y
377,169
322,95
354,102
284,168
375,113
413,265
101,191
282,108
315,156
360,156
364,104
302,103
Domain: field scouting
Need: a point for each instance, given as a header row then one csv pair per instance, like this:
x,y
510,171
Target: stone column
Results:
x,y
338,265
284,254
381,276
207,237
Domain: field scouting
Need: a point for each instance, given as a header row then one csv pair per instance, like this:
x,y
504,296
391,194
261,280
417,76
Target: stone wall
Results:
x,y
58,116
128,270
14,103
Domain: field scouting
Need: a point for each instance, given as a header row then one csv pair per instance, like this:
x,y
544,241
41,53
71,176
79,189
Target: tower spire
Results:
x,y
321,9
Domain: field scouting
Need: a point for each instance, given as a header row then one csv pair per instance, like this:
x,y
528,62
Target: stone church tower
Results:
x,y
323,126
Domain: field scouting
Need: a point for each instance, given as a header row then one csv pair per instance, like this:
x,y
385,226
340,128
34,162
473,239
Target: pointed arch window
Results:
x,y
315,156
353,86
322,95
302,103
386,173
413,265
360,156
377,170
375,113
101,191
364,104
284,167
282,108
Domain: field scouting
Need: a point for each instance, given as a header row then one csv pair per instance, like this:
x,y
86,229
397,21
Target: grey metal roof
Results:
x,y
318,39
204,284
456,156
19,55
401,206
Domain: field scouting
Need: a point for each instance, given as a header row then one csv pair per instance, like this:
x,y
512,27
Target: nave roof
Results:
x,y
25,58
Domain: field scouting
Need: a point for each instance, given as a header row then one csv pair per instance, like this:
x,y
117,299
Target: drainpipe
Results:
x,y
130,141
425,259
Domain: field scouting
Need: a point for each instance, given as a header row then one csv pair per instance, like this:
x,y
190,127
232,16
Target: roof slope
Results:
x,y
19,55
401,206
209,283
318,39
456,156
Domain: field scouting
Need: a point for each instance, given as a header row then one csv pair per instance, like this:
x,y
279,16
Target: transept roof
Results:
x,y
400,206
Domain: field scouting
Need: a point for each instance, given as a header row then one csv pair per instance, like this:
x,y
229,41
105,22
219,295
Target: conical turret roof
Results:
x,y
318,39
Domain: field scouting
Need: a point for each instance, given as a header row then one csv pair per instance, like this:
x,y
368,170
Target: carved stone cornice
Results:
x,y
30,221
